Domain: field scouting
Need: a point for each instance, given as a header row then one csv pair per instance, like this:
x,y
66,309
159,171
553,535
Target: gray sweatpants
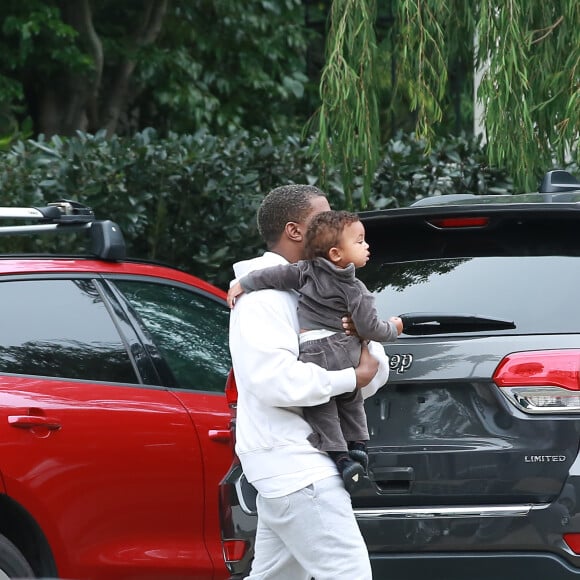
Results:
x,y
343,418
311,533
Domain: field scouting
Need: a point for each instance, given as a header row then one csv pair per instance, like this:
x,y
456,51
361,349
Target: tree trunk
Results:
x,y
77,102
115,101
69,104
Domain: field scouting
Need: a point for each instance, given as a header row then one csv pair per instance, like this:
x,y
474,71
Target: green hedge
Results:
x,y
191,200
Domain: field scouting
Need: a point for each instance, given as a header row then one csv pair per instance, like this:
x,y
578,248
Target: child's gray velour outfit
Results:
x,y
327,293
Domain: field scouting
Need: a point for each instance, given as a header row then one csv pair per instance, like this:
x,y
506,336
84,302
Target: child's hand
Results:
x,y
233,292
398,323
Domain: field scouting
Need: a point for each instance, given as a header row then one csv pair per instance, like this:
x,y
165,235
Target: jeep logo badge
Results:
x,y
400,362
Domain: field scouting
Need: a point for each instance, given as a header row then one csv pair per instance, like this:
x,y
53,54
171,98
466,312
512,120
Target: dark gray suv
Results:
x,y
474,452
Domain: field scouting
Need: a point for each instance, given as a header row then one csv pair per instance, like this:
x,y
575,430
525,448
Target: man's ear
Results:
x,y
293,232
334,255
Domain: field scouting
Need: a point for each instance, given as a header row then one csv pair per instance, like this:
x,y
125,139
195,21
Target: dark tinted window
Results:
x,y
60,328
190,330
539,293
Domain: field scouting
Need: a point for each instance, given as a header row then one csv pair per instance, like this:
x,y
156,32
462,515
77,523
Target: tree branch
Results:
x,y
548,30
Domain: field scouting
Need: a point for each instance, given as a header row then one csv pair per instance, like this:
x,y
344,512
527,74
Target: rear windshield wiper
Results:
x,y
419,323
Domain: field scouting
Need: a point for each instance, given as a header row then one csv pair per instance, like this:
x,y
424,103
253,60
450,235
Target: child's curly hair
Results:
x,y
324,232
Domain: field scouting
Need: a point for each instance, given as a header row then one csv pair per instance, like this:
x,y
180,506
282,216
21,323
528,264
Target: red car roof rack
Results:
x,y
107,242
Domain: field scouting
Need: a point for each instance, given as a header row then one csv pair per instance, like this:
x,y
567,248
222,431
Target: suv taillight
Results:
x,y
573,541
234,550
544,381
232,400
231,390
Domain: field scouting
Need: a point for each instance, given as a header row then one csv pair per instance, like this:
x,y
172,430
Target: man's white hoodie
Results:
x,y
273,386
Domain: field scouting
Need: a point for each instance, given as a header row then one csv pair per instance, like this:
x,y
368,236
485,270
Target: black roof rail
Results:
x,y
107,242
558,181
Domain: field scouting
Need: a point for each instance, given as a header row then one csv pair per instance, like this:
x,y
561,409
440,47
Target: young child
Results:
x,y
334,246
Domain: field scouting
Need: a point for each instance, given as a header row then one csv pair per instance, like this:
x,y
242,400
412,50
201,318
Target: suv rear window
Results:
x,y
490,286
523,267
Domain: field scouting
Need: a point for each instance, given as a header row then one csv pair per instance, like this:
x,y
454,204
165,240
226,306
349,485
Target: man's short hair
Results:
x,y
324,232
287,203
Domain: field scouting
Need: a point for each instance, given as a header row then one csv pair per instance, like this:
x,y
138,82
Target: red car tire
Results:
x,y
12,563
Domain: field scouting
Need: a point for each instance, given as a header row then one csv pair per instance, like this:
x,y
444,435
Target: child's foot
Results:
x,y
353,475
352,472
360,457
358,452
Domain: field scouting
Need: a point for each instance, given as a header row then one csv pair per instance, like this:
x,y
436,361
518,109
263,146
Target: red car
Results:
x,y
114,428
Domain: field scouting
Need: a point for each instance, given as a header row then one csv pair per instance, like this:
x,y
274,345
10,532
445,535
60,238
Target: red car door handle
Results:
x,y
32,421
220,435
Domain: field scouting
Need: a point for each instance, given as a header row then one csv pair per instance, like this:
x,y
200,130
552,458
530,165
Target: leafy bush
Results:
x,y
186,200
408,173
191,200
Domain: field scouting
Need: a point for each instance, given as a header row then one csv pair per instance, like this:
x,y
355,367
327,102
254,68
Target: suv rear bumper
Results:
x,y
475,566
442,543
472,565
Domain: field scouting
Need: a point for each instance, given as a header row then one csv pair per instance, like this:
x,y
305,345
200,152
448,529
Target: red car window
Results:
x,y
189,328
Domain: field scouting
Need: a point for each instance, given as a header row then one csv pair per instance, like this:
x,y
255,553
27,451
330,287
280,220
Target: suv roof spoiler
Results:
x,y
558,181
107,242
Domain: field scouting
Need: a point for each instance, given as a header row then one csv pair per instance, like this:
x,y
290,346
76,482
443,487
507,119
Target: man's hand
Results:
x,y
367,367
348,326
233,293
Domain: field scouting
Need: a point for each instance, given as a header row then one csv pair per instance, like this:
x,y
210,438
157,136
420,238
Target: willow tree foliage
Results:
x,y
530,52
529,56
348,118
